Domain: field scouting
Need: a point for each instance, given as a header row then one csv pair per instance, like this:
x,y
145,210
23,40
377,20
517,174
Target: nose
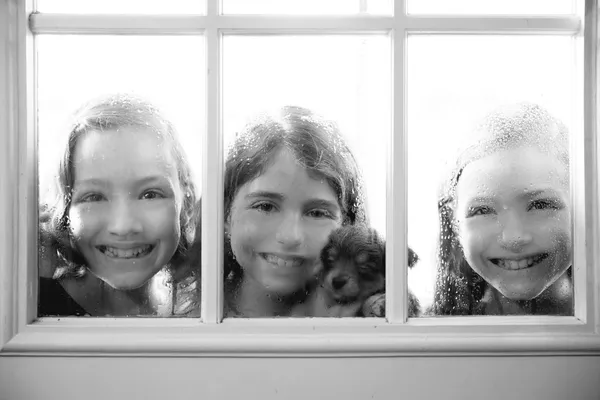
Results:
x,y
123,219
515,234
290,230
339,282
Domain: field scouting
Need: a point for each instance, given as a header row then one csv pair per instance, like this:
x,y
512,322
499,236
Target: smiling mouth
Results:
x,y
290,262
136,252
523,263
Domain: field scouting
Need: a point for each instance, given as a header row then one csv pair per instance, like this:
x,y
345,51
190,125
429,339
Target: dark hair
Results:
x,y
108,113
458,288
316,143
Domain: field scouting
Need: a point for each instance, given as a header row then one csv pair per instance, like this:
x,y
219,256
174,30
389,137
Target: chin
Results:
x,y
125,283
521,293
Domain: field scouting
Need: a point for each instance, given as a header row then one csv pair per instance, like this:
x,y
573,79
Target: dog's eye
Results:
x,y
368,271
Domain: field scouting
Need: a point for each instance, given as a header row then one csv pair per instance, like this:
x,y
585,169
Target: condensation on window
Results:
x,y
489,211
119,122
307,127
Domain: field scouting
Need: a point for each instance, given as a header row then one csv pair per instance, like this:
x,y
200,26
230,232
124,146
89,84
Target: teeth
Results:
x,y
284,263
518,264
125,253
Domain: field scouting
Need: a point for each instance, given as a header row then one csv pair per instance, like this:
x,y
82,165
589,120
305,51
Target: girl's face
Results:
x,y
280,222
126,205
514,222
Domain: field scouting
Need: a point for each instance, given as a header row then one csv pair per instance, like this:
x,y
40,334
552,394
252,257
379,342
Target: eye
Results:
x,y
152,194
319,213
264,206
479,210
546,204
90,198
368,273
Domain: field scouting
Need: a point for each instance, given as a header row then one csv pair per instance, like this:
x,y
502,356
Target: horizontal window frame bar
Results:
x,y
197,24
40,340
423,325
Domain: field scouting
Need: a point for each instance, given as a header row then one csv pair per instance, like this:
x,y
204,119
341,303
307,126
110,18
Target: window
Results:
x,y
408,72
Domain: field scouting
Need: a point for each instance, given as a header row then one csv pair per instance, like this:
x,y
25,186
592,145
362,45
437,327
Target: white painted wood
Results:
x,y
316,338
221,342
396,201
445,358
193,24
212,181
8,171
592,129
385,378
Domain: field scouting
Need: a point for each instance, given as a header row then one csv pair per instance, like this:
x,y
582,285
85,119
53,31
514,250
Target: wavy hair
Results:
x,y
458,288
316,143
108,113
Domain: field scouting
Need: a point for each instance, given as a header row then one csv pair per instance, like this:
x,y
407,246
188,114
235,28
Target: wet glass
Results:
x,y
122,6
279,222
453,82
308,7
132,216
491,7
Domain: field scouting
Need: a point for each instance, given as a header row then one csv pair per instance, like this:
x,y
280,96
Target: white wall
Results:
x,y
532,378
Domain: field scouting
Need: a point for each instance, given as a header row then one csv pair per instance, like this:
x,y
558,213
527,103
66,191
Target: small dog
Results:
x,y
351,280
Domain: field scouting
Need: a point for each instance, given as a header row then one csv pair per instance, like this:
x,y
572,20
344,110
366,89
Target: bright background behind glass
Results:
x,y
453,81
167,70
122,6
314,7
514,7
344,78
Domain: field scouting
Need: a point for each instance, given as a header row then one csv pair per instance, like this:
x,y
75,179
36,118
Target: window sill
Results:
x,y
189,338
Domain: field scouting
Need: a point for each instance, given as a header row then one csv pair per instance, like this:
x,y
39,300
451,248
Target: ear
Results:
x,y
227,226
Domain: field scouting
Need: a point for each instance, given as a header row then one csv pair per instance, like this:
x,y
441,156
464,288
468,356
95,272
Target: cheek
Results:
x,y
475,235
84,221
246,230
162,222
551,230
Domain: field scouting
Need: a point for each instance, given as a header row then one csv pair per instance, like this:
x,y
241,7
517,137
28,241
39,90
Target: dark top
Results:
x,y
53,300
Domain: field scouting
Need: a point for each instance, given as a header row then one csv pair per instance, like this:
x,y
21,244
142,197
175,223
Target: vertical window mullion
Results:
x,y
212,177
396,248
586,277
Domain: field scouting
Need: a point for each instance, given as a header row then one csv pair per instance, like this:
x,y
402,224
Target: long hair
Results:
x,y
316,143
458,288
109,113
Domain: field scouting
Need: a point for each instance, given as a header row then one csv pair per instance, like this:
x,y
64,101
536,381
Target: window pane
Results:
x,y
124,203
490,7
278,216
501,179
122,6
299,7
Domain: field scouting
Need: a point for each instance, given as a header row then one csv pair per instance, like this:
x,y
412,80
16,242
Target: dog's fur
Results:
x,y
351,281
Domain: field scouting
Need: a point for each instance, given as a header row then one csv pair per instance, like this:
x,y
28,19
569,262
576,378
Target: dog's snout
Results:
x,y
339,282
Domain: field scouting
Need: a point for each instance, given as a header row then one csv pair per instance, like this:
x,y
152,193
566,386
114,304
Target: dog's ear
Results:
x,y
413,258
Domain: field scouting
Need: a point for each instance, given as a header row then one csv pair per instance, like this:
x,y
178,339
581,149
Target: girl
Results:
x,y
290,179
122,216
505,235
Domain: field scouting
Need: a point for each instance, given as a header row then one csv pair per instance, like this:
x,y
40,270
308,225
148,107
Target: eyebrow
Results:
x,y
535,193
481,199
280,197
527,195
265,194
141,182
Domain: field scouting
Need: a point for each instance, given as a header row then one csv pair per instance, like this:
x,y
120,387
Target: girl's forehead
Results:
x,y
517,169
286,175
122,152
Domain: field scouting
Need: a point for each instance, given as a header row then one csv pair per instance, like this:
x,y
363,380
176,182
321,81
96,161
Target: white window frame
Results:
x,y
21,334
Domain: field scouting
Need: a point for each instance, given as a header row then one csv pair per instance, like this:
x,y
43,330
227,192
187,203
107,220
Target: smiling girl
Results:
x,y
290,180
505,239
122,215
